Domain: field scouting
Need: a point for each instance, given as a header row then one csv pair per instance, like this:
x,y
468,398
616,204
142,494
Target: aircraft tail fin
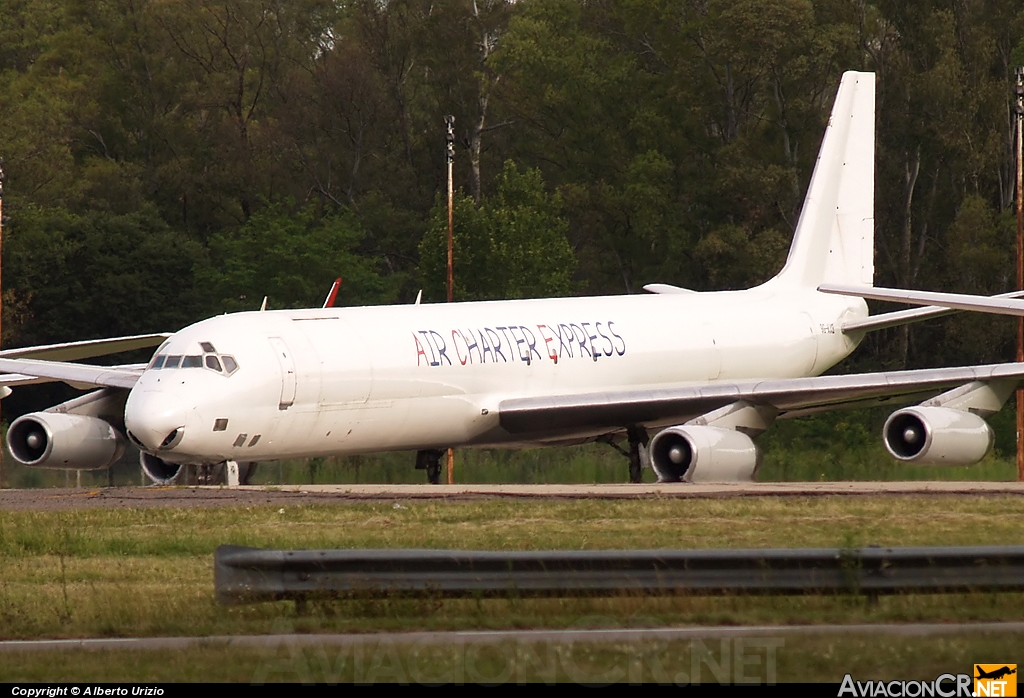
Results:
x,y
834,239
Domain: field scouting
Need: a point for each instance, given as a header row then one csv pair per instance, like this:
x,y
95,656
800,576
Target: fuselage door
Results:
x,y
287,363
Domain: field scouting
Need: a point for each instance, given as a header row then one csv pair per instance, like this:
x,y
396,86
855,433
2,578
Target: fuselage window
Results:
x,y
212,362
157,362
192,362
229,364
172,361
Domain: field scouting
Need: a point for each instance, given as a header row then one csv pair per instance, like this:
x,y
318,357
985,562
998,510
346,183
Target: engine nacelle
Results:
x,y
937,436
703,454
61,440
158,470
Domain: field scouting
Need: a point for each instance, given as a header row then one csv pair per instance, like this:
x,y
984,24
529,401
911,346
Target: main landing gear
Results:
x,y
637,453
212,474
430,460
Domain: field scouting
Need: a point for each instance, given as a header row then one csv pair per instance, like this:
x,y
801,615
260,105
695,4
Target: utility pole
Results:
x,y
450,155
1019,93
1,267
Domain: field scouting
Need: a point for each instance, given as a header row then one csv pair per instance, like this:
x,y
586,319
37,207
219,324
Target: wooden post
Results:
x,y
1,284
450,151
1019,154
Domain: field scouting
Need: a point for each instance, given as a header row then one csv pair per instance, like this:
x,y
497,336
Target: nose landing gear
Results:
x,y
430,460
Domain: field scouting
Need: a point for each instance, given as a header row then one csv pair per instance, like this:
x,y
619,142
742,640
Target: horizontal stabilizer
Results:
x,y
666,288
905,317
995,305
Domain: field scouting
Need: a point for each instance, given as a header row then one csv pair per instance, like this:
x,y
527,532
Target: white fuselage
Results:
x,y
359,380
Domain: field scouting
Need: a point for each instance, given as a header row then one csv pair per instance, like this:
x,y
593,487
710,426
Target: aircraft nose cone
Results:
x,y
154,420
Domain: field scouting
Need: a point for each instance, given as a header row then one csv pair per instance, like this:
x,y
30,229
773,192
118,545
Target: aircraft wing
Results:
x,y
86,349
792,397
45,363
23,371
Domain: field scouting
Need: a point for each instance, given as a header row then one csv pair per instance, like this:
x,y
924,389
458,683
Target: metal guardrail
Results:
x,y
245,575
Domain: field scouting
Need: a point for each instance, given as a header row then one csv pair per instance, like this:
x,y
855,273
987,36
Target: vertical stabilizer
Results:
x,y
835,237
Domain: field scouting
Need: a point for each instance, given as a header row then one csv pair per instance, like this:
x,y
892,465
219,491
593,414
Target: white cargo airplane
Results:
x,y
704,371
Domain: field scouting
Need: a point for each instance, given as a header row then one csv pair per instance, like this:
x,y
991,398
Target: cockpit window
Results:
x,y
208,348
225,365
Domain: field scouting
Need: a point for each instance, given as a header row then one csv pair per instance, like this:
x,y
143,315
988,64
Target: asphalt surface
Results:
x,y
185,497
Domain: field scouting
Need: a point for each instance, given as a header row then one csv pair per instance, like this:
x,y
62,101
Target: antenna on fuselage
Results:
x,y
264,305
419,297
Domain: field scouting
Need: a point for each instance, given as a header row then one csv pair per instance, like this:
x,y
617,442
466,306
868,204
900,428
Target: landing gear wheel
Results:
x,y
245,473
637,438
434,473
430,460
211,474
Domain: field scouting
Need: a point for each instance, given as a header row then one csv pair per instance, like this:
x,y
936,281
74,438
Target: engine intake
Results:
x,y
704,454
937,436
159,471
61,440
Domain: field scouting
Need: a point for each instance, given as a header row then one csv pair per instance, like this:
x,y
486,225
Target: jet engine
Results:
x,y
158,470
694,453
61,440
937,436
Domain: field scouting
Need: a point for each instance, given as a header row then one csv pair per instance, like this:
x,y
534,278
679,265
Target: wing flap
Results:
x,y
587,412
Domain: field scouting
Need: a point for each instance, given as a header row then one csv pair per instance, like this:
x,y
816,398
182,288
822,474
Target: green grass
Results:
x,y
149,572
125,572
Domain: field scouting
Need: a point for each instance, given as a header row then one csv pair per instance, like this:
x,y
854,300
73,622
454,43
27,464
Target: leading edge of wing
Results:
x,y
673,405
73,374
85,349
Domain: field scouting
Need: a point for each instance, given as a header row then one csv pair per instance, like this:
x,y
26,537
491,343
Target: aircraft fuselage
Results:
x,y
358,380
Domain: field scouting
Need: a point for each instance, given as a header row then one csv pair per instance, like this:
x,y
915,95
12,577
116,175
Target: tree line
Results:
x,y
171,159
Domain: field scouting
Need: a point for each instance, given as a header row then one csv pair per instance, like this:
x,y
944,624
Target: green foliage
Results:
x,y
166,160
680,137
80,275
513,246
730,257
1017,57
980,259
292,257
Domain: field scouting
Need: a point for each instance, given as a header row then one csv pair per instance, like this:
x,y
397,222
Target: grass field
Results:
x,y
149,572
